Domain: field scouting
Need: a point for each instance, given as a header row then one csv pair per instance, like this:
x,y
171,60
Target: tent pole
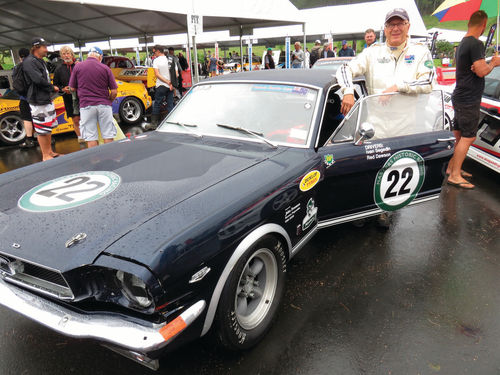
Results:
x,y
12,55
110,49
189,57
241,48
305,45
80,50
195,52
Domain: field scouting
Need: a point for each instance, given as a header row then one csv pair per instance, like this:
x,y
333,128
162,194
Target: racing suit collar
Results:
x,y
397,51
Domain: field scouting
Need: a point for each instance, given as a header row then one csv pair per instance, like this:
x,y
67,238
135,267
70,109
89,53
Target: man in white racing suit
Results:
x,y
395,66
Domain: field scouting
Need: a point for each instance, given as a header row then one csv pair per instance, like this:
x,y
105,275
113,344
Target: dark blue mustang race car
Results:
x,y
148,243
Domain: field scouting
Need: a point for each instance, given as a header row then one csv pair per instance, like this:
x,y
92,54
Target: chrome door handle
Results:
x,y
446,139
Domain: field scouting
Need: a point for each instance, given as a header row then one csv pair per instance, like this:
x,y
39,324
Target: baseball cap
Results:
x,y
317,41
269,49
38,42
344,42
95,49
397,12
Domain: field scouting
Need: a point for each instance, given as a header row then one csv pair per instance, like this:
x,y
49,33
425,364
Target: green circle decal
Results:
x,y
69,191
399,180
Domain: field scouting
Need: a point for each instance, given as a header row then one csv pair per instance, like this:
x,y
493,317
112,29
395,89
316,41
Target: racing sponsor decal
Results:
x,y
329,160
409,59
384,60
69,191
281,88
290,212
309,180
429,64
311,214
377,151
399,180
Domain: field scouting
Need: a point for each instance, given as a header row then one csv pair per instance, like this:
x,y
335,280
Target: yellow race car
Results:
x,y
130,106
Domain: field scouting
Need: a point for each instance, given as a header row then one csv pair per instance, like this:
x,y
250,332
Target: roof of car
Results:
x,y
318,78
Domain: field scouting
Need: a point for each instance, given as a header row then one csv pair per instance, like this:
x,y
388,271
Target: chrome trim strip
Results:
x,y
304,241
364,214
103,327
244,245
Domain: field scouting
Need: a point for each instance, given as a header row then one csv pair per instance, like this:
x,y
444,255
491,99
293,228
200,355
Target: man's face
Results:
x,y
344,46
42,51
67,56
297,46
396,31
369,38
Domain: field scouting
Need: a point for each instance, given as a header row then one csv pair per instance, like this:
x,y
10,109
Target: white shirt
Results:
x,y
161,63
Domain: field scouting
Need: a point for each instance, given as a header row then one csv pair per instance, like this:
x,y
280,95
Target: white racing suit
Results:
x,y
409,67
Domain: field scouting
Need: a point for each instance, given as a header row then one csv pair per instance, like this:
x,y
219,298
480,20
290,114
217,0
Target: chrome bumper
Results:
x,y
102,327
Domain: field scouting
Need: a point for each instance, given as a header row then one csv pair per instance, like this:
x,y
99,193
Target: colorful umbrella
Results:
x,y
458,10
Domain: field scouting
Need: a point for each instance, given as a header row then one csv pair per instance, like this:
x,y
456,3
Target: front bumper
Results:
x,y
111,329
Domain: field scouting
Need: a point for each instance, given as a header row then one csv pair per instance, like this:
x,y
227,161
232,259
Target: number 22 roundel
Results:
x,y
69,191
399,180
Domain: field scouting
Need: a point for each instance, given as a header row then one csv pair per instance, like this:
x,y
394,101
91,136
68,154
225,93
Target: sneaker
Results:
x,y
81,140
28,143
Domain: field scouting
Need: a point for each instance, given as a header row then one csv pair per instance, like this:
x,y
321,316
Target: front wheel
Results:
x,y
252,295
11,128
131,111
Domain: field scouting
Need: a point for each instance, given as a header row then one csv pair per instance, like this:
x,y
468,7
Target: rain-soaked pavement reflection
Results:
x,y
420,298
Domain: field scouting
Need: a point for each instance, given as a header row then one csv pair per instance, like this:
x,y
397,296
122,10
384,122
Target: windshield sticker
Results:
x,y
290,212
399,180
298,133
329,160
69,191
311,214
309,180
281,88
377,151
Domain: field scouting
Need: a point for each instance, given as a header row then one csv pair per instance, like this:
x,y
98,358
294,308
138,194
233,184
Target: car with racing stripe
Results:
x,y
131,104
188,231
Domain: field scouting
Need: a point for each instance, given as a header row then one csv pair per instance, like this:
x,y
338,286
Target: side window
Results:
x,y
492,84
395,115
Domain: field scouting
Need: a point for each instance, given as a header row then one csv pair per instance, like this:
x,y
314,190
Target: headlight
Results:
x,y
134,289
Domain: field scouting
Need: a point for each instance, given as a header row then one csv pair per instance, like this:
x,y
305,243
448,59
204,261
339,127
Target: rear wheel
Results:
x,y
131,110
11,128
252,295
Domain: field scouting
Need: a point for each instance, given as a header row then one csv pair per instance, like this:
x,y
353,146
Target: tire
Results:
x,y
131,111
447,123
251,296
11,128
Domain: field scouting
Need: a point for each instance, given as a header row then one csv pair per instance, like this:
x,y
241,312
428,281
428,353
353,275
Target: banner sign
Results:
x,y
287,52
195,24
433,45
489,40
250,58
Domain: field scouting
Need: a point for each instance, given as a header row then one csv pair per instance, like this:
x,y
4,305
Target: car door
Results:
x,y
402,162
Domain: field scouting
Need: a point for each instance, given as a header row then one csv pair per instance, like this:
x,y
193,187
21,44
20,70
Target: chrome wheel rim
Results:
x,y
131,110
12,129
256,289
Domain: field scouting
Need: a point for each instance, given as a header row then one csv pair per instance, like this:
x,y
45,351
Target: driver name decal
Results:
x,y
377,151
399,180
69,191
309,180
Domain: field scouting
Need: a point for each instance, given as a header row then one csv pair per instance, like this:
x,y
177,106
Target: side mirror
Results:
x,y
366,131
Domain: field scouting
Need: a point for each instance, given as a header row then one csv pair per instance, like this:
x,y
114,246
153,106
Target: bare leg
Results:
x,y
108,140
459,155
458,135
28,127
76,126
44,140
92,144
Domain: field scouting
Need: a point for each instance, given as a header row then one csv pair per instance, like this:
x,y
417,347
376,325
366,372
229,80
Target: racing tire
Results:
x,y
131,111
252,295
12,130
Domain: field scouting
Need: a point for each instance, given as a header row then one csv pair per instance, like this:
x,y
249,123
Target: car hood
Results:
x,y
157,172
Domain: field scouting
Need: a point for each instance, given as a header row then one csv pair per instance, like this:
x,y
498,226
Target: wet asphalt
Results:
x,y
420,298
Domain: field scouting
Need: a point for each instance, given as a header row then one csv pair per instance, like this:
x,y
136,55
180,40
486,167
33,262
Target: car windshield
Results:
x,y
279,113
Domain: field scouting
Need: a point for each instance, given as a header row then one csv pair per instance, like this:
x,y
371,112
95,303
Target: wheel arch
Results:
x,y
244,245
128,97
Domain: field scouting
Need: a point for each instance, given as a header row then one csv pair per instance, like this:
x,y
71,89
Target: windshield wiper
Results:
x,y
248,131
187,127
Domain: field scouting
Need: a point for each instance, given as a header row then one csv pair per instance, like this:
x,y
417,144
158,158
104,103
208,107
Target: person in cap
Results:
x,y
327,51
24,107
39,96
97,89
370,37
466,98
268,59
315,52
61,78
346,51
398,65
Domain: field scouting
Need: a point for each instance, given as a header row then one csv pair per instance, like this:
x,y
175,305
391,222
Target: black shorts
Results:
x,y
466,119
71,111
25,110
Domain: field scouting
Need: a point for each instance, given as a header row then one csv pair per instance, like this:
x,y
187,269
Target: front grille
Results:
x,y
34,277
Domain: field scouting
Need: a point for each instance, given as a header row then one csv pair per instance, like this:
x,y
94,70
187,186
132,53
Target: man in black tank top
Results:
x,y
466,98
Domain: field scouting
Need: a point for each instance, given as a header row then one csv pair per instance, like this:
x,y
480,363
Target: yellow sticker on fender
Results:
x,y
309,180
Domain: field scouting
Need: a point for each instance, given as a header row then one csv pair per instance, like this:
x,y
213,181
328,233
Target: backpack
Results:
x,y
19,83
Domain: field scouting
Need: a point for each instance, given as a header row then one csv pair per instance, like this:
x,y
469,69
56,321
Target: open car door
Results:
x,y
390,151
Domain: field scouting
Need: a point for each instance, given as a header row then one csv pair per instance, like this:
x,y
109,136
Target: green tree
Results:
x,y
444,48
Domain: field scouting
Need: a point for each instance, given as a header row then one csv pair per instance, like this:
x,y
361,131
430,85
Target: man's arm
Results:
x,y
36,76
481,68
162,78
345,74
